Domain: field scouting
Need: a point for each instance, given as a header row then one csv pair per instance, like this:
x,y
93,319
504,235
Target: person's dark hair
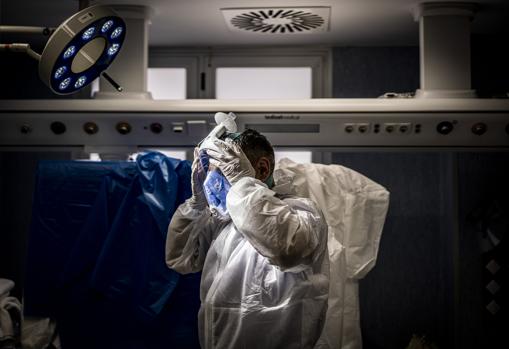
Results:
x,y
255,145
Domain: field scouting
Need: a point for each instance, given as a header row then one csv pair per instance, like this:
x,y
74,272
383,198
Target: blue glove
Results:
x,y
216,188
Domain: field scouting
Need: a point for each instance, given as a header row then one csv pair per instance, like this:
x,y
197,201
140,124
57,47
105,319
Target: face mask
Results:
x,y
270,181
216,186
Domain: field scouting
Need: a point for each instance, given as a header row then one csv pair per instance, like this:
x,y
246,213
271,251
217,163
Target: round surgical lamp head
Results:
x,y
81,48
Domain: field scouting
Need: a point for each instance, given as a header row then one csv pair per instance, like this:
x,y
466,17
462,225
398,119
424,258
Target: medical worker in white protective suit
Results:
x,y
262,251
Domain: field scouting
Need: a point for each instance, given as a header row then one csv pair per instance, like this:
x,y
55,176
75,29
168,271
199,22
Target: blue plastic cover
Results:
x,y
96,254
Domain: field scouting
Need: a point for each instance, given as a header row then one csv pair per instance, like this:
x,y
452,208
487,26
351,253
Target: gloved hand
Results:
x,y
198,199
230,160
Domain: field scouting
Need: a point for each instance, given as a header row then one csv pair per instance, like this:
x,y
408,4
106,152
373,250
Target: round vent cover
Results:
x,y
278,20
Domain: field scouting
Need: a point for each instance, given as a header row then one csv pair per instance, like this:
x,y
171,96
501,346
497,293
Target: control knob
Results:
x,y
156,127
445,127
91,128
479,129
25,129
123,128
58,127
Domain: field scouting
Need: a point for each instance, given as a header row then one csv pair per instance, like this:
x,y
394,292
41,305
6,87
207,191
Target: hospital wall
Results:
x,y
369,72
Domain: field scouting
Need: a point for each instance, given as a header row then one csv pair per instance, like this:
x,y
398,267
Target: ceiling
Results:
x,y
201,23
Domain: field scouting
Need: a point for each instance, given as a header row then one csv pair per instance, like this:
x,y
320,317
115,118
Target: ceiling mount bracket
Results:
x,y
444,44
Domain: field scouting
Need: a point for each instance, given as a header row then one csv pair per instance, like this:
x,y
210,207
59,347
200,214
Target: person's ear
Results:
x,y
262,169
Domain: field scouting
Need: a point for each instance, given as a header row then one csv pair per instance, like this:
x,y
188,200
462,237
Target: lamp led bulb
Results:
x,y
80,82
113,49
106,26
60,72
116,33
88,33
69,52
64,84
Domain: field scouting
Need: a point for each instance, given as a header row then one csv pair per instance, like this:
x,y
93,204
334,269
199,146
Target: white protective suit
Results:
x,y
265,271
355,208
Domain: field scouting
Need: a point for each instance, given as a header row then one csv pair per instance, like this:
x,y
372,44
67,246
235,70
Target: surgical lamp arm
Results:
x,y
24,48
18,29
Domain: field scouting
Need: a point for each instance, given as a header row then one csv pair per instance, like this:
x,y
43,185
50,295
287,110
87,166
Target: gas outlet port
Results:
x,y
398,127
445,127
390,128
156,127
90,128
479,129
405,128
123,128
58,127
349,128
363,128
25,129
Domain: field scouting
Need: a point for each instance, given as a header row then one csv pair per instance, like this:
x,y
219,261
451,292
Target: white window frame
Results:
x,y
201,65
164,58
158,86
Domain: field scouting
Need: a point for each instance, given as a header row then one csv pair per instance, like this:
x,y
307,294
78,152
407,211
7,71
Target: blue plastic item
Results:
x,y
96,254
216,187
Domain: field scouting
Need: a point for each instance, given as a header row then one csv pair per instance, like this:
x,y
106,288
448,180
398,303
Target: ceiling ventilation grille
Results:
x,y
278,20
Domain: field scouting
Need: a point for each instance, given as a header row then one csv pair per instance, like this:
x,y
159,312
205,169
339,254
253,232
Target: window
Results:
x,y
163,83
301,157
167,83
95,157
264,83
250,73
94,88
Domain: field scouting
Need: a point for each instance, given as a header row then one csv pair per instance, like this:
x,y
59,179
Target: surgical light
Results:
x,y
79,50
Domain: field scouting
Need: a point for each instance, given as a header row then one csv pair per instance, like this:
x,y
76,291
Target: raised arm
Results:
x,y
192,228
291,233
190,233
